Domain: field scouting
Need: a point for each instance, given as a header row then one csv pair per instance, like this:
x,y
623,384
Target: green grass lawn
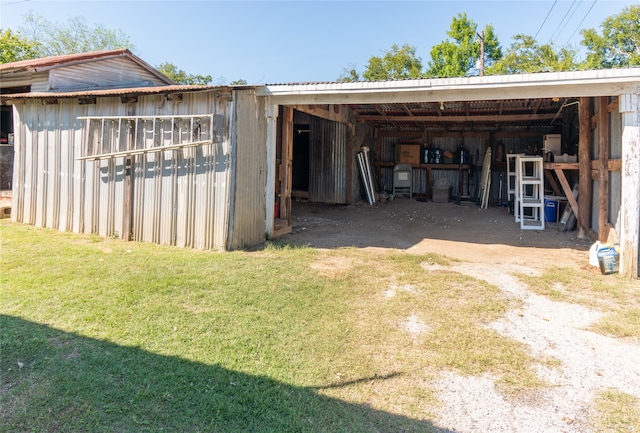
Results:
x,y
103,335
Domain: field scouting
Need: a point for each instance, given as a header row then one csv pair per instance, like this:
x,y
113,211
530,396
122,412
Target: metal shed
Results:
x,y
213,167
169,164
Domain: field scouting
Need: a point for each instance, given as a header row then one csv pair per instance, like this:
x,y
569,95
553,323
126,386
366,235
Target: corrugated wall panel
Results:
x,y
179,197
40,155
328,159
247,225
328,164
105,73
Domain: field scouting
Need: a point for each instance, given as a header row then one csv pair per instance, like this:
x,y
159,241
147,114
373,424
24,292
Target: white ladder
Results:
x,y
512,183
530,192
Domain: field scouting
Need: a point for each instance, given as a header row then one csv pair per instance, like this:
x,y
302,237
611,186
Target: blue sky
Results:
x,y
266,42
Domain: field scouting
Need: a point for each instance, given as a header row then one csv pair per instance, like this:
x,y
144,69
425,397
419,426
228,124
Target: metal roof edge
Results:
x,y
127,91
55,62
488,81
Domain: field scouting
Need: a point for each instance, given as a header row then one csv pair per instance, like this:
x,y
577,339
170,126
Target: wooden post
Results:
x,y
630,175
584,167
271,114
286,166
127,210
603,169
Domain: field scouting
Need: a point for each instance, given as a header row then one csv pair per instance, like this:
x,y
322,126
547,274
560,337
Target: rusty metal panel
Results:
x,y
247,219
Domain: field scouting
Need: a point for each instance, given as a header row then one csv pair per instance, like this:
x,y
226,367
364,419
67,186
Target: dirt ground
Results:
x,y
464,232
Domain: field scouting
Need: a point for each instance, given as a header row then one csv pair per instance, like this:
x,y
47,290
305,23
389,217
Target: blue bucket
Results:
x,y
608,260
550,210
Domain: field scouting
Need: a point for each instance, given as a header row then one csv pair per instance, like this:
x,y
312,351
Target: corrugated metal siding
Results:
x,y
39,81
116,72
247,223
328,153
180,197
328,159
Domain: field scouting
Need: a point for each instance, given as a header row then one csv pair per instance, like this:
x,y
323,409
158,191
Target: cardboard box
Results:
x,y
552,143
408,153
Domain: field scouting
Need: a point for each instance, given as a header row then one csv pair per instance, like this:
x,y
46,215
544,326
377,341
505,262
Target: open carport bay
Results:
x,y
464,232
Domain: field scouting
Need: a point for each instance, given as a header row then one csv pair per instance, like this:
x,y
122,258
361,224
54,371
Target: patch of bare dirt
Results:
x,y
464,232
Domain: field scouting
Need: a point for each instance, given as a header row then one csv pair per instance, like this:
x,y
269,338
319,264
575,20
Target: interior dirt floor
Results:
x,y
464,232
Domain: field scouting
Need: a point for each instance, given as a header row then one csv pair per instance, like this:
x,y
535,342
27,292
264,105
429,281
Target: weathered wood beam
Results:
x,y
484,118
603,174
407,110
286,170
337,113
584,169
612,164
536,107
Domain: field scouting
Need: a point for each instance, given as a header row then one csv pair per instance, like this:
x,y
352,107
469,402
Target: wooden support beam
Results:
x,y
335,113
552,182
286,170
603,174
438,119
584,169
567,191
630,179
612,165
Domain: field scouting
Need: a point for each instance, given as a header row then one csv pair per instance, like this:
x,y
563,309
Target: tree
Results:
x,y
349,75
14,48
456,57
181,77
397,63
525,55
75,36
619,43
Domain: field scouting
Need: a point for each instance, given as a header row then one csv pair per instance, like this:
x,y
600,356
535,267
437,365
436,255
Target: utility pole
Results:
x,y
481,38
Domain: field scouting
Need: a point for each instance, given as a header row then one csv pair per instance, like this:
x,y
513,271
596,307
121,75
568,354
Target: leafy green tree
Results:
x,y
181,77
14,48
239,82
397,63
526,55
72,37
457,56
349,75
619,43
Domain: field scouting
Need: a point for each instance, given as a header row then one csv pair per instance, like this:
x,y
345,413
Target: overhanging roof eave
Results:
x,y
544,85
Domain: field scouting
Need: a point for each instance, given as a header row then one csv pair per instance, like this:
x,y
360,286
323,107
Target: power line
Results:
x,y
583,18
560,28
545,19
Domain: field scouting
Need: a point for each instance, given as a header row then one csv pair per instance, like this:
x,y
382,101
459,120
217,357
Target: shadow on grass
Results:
x,y
58,381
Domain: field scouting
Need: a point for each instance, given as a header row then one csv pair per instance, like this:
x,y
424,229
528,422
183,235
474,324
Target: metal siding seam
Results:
x,y
231,185
41,168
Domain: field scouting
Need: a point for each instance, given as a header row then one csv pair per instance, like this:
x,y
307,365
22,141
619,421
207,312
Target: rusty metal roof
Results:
x,y
47,62
131,91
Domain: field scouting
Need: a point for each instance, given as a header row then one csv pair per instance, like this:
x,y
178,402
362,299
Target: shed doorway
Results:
x,y
300,163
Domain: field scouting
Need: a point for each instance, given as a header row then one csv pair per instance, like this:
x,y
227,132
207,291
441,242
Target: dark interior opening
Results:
x,y
300,163
6,147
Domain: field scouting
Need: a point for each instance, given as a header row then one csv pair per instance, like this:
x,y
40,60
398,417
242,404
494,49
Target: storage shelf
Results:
x,y
529,194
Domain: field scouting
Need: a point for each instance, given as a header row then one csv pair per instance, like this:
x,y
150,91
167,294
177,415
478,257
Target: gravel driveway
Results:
x,y
490,246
